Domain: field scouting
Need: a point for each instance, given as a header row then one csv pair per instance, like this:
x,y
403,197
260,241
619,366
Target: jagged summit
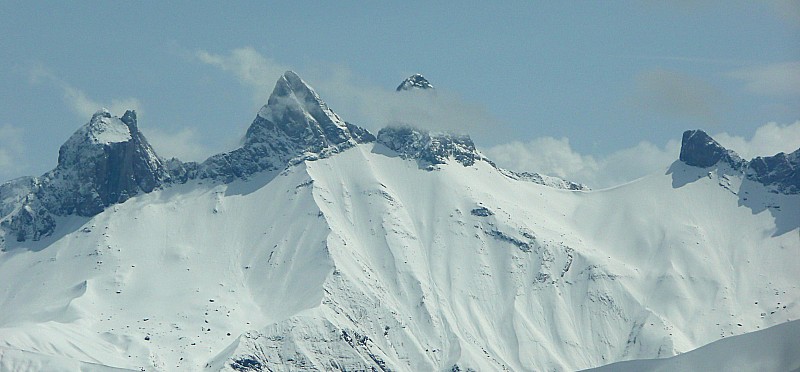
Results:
x,y
294,125
780,172
108,160
415,81
698,149
297,110
428,147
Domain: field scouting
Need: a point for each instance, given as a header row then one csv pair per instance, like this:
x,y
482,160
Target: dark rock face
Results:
x,y
108,160
781,171
293,126
698,149
481,212
415,81
430,148
104,163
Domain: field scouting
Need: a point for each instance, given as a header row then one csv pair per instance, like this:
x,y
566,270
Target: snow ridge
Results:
x,y
361,261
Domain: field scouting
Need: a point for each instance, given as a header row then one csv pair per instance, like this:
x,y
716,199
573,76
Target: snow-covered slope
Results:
x,y
774,349
409,253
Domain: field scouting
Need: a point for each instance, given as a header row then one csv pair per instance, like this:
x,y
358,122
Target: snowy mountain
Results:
x,y
415,81
318,246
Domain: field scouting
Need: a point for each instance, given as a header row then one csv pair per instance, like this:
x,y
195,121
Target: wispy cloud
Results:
x,y
249,66
677,95
555,157
184,144
78,100
12,161
359,101
773,79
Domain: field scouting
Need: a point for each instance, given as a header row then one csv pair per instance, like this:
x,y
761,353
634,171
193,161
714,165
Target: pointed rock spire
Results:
x,y
105,162
698,149
416,81
294,125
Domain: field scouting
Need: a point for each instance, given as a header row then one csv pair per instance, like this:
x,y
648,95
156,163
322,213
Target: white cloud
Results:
x,y
250,67
12,160
769,139
85,106
772,79
376,107
78,100
677,95
556,157
360,102
184,144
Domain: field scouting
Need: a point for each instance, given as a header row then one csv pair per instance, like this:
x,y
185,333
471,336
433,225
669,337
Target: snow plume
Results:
x,y
79,101
556,157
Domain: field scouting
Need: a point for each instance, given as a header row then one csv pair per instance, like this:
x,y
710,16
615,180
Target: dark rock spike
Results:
x,y
416,81
698,149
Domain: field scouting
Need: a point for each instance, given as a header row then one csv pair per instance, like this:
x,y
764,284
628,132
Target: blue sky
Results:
x,y
595,91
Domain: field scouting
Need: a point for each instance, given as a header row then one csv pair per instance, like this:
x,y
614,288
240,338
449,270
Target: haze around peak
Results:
x,y
588,81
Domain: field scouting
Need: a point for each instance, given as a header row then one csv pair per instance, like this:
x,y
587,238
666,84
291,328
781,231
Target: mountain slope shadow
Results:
x,y
64,226
785,209
683,174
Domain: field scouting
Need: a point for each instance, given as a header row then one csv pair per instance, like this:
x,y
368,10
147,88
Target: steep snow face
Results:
x,y
364,260
416,81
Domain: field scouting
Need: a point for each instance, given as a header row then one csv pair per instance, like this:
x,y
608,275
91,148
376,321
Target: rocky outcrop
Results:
x,y
698,149
415,81
108,160
293,126
105,162
779,172
429,148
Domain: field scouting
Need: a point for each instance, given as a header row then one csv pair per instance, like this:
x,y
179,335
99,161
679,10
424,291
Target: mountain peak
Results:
x,y
295,124
429,147
416,81
105,162
698,149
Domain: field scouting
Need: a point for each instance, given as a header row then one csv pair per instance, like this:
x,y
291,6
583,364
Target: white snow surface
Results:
x,y
363,259
775,349
103,129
